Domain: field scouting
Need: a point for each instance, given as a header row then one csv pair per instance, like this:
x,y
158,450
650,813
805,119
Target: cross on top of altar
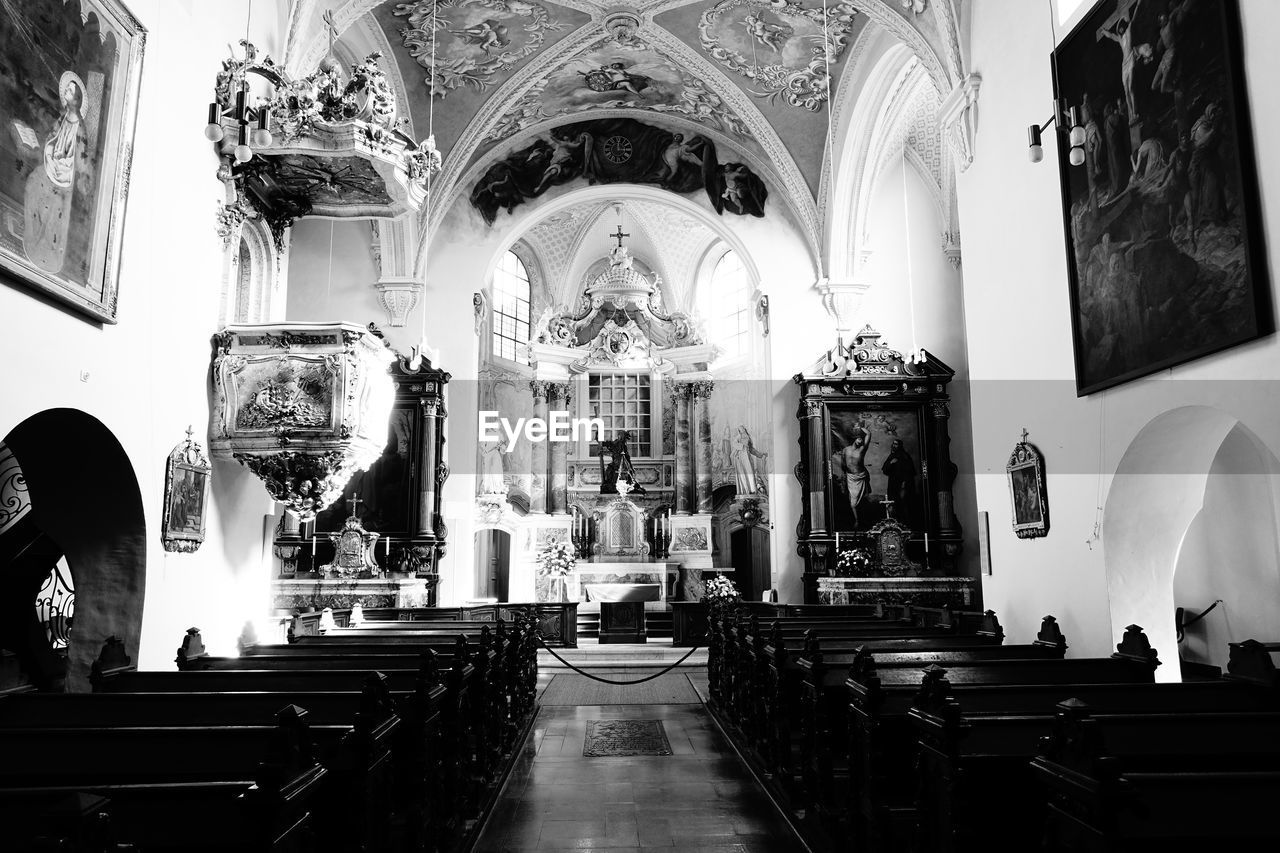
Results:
x,y
619,234
353,504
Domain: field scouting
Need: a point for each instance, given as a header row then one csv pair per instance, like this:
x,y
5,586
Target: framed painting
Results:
x,y
1027,491
186,496
876,455
1164,244
68,100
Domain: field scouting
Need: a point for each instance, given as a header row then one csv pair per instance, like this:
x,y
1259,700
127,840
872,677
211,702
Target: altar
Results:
x,y
663,578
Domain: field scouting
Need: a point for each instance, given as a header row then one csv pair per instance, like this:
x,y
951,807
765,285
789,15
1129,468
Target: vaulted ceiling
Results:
x,y
750,75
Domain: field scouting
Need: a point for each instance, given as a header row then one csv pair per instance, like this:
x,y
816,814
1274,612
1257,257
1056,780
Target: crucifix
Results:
x,y
353,504
619,235
1024,435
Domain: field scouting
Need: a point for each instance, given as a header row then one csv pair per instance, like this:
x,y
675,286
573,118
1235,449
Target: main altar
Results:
x,y
634,497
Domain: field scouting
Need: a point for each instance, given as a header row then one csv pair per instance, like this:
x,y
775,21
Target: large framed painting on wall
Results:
x,y
69,81
1164,242
876,455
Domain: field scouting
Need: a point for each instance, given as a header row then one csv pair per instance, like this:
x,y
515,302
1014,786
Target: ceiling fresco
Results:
x,y
757,77
777,45
480,45
475,41
612,74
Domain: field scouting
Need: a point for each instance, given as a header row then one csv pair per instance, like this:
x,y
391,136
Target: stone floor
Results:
x,y
700,799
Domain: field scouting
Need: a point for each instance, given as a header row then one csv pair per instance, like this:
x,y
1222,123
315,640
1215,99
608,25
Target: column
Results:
x,y
427,476
817,470
684,449
540,464
701,422
558,396
940,480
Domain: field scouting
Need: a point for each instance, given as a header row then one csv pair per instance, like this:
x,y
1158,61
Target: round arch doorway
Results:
x,y
80,506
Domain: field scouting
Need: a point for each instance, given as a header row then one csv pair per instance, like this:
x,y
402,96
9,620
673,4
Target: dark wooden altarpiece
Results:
x,y
871,389
400,494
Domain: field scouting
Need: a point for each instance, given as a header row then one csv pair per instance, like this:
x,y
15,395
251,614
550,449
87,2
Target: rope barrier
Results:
x,y
664,671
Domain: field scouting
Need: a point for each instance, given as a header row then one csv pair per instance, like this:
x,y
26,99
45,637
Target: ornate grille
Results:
x,y
55,604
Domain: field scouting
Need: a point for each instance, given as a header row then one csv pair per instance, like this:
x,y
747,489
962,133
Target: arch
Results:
x,y
97,521
615,192
1156,495
251,275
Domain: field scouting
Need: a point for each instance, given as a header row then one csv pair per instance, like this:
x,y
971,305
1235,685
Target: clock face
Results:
x,y
617,149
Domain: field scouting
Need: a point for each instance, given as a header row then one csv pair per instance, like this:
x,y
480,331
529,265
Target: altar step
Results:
x,y
657,624
647,656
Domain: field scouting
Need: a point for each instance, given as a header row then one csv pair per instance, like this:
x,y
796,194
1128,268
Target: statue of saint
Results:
x,y
619,466
744,468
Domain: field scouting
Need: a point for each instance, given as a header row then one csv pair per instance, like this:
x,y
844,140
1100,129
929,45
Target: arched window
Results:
x,y
510,309
726,306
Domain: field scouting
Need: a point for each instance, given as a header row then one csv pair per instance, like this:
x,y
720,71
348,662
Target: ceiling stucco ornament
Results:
x,y
779,45
917,6
475,40
614,75
622,25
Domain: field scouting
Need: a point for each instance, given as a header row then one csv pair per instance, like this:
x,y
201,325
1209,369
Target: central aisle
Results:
x,y
699,799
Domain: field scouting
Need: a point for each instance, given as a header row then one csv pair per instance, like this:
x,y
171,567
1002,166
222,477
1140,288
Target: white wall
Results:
x,y
1019,334
147,375
1232,552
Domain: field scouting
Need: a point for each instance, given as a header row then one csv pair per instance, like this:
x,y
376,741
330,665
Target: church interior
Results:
x,y
716,425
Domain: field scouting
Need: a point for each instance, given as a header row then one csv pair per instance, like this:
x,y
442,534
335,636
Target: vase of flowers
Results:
x,y
721,595
556,561
854,562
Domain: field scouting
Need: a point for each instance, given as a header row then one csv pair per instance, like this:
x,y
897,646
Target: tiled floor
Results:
x,y
700,799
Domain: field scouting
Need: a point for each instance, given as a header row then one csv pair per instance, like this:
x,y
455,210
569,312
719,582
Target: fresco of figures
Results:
x,y
778,46
1162,224
613,75
475,40
608,151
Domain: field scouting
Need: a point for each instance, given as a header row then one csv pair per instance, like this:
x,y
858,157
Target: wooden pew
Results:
x,y
882,742
1146,783
174,788
975,787
406,724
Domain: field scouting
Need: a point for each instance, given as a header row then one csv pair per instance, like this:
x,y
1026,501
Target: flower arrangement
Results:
x,y
556,559
853,562
721,592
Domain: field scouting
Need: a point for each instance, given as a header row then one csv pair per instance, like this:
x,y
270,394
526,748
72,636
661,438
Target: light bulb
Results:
x,y
262,136
243,153
213,130
1076,156
1077,136
1034,149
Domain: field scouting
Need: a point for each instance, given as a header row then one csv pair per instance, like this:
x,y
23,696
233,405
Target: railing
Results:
x,y
55,605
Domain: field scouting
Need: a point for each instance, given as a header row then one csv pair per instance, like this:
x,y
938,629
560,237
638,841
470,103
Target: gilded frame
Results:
x,y
74,145
1028,494
186,497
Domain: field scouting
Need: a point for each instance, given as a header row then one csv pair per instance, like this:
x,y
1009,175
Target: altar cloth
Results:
x,y
623,591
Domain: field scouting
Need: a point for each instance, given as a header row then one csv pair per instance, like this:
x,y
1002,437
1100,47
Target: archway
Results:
x,y
1168,473
493,564
85,505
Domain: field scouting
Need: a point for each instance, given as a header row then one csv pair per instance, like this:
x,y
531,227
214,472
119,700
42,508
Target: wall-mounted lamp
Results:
x,y
1068,122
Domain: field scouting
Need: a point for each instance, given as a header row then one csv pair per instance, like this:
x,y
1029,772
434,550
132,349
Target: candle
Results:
x,y
387,552
837,540
926,543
